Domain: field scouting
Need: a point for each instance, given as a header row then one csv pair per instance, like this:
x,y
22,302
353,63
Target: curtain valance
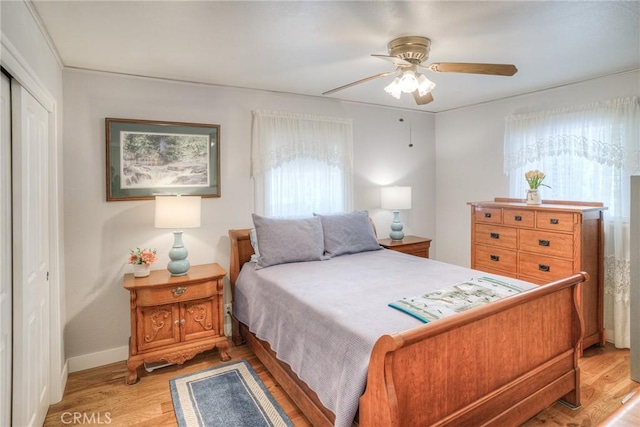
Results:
x,y
605,132
279,137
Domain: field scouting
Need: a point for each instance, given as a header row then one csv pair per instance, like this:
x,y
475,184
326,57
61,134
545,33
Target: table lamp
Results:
x,y
396,198
178,212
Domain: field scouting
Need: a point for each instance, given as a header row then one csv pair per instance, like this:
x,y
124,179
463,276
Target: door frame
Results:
x,y
19,69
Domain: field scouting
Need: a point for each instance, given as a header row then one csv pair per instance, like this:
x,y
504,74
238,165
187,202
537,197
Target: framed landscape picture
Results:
x,y
148,158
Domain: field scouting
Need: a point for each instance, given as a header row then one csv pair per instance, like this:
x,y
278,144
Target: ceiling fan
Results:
x,y
407,54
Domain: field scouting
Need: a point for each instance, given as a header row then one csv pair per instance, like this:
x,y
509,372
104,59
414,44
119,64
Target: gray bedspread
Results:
x,y
323,317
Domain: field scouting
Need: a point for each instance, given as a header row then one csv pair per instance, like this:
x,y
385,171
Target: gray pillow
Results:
x,y
348,233
288,240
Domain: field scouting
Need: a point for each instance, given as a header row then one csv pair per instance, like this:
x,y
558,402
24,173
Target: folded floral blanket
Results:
x,y
441,303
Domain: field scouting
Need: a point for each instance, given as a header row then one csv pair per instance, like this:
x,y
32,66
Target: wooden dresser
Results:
x,y
175,318
543,243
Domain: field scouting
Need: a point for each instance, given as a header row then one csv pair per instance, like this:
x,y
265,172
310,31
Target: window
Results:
x,y
301,164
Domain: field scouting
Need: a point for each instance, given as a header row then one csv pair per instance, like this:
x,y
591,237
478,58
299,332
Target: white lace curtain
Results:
x,y
301,163
588,154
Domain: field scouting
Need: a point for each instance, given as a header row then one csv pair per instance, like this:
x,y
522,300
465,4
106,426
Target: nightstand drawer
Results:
x,y
415,249
497,258
170,294
493,235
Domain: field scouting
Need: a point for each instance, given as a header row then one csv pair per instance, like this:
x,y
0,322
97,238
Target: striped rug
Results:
x,y
230,395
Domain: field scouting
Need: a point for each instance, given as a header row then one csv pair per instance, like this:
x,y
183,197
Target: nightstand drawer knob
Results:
x,y
495,258
487,214
554,221
179,291
495,235
543,242
518,217
544,267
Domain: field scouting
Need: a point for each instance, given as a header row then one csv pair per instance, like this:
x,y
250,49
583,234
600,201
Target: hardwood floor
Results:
x,y
100,395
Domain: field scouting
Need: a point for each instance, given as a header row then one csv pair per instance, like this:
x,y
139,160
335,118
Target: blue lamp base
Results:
x,y
179,265
396,227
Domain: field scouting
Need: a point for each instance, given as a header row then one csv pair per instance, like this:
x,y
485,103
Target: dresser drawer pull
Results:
x,y
495,258
495,235
487,214
178,291
518,217
543,242
544,267
554,221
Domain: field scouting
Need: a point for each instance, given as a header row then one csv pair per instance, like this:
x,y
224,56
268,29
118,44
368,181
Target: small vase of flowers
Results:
x,y
142,260
534,179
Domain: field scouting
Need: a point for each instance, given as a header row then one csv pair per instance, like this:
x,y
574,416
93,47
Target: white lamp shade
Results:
x,y
178,211
395,198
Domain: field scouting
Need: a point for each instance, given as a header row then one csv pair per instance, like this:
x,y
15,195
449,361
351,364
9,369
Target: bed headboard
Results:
x,y
241,251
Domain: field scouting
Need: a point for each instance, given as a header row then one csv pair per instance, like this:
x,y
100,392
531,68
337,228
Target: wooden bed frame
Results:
x,y
499,364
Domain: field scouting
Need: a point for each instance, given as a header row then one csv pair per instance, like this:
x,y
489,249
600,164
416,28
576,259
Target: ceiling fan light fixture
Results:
x,y
425,85
394,89
408,81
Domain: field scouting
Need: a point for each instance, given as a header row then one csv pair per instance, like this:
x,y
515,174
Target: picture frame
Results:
x,y
148,158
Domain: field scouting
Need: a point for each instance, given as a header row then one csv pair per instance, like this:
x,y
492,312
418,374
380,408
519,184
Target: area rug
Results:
x,y
230,395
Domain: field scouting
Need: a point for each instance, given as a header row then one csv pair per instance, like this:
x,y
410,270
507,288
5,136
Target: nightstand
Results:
x,y
412,245
175,318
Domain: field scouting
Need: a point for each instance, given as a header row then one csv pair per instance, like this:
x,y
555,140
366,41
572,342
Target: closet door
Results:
x,y
31,346
5,252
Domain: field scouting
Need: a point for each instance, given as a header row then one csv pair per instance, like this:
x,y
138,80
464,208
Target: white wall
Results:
x,y
31,60
99,234
469,153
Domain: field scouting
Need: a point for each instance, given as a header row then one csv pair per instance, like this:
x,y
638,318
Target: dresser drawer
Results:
x,y
494,235
498,258
557,221
546,269
519,218
547,243
170,294
488,215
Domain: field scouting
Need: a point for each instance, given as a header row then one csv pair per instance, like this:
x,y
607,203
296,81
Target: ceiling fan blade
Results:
x,y
397,61
462,67
422,100
366,79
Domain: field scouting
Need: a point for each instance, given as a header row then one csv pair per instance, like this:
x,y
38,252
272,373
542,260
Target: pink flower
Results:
x,y
148,257
142,256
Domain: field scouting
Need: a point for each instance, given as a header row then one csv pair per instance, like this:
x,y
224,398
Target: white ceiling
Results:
x,y
309,47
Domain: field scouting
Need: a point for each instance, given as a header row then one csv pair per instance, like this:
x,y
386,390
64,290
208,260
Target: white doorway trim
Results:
x,y
20,70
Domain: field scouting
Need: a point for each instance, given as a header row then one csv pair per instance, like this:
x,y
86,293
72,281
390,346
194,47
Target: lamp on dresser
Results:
x,y
396,198
178,212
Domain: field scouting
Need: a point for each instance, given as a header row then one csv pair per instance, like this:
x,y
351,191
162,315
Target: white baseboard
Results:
x,y
100,358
